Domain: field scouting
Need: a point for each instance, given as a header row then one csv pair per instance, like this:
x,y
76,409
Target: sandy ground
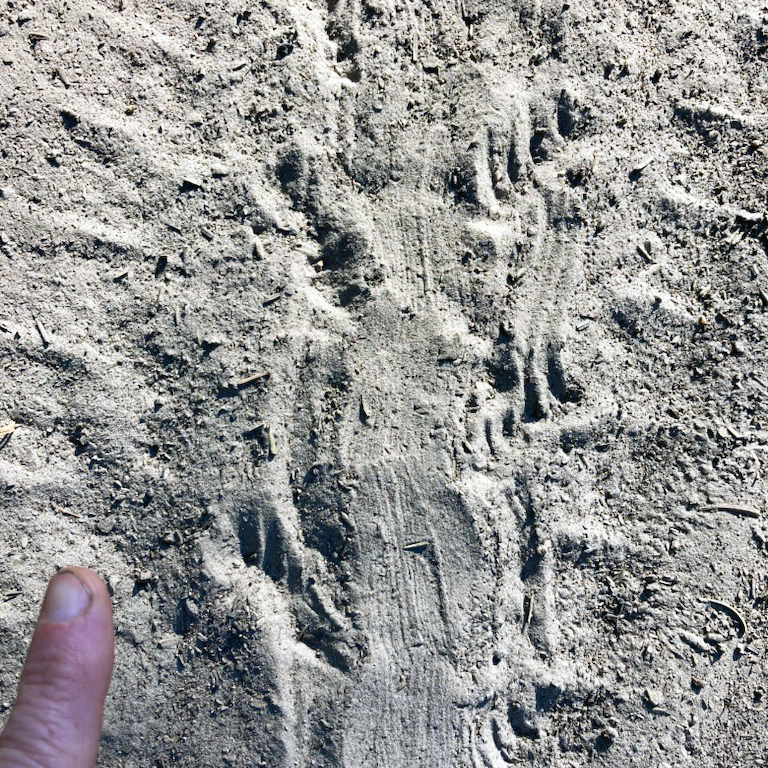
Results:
x,y
401,366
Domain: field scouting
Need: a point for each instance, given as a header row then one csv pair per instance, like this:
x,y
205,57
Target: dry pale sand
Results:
x,y
401,366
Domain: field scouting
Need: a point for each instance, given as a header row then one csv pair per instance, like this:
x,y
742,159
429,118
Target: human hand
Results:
x,y
56,720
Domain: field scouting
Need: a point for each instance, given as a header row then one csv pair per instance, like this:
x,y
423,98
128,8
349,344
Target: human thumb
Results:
x,y
56,720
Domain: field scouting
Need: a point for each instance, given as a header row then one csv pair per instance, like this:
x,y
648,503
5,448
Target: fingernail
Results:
x,y
66,598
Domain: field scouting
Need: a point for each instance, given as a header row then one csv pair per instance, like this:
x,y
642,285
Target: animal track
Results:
x,y
534,383
472,231
517,230
266,542
340,230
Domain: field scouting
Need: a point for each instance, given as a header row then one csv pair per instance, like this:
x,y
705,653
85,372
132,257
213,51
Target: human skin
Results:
x,y
57,718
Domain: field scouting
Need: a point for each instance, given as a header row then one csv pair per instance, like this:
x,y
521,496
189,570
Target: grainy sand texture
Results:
x,y
401,366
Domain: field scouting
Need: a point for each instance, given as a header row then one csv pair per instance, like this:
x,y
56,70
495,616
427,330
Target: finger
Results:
x,y
57,717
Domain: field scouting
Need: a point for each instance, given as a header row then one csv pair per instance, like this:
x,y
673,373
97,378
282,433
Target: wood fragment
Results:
x,y
272,442
642,164
731,611
246,380
41,330
744,217
694,641
365,411
527,611
257,249
416,546
254,433
64,511
8,429
171,538
734,509
144,577
64,79
654,697
645,255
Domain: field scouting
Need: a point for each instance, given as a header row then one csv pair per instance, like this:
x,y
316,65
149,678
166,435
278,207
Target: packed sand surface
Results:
x,y
400,364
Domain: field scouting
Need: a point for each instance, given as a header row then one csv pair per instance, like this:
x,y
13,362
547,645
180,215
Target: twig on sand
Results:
x,y
41,330
734,509
416,546
7,429
731,611
246,380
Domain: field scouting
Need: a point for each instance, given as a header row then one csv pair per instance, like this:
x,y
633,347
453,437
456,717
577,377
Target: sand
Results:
x,y
401,366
